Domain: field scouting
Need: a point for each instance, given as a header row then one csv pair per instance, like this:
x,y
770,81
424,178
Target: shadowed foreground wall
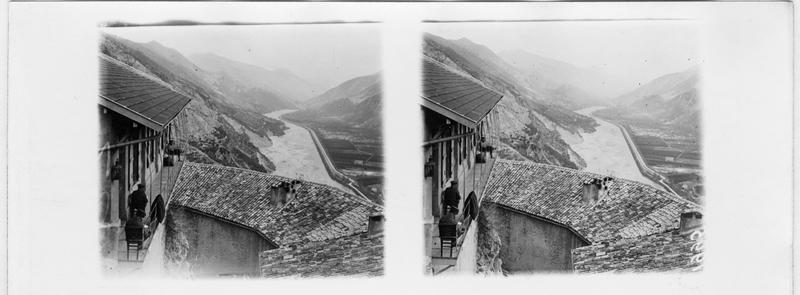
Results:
x,y
213,247
530,244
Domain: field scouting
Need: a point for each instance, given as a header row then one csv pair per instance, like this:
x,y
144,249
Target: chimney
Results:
x,y
375,226
690,221
591,190
279,193
595,189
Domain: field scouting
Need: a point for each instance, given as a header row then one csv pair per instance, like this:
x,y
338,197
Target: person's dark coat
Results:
x,y
158,205
451,196
471,206
138,201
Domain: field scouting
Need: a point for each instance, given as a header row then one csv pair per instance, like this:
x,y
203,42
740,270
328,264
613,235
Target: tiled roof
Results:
x,y
318,212
630,209
630,228
454,95
351,255
135,95
668,251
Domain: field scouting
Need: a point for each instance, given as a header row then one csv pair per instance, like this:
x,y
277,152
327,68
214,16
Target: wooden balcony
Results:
x,y
473,179
163,183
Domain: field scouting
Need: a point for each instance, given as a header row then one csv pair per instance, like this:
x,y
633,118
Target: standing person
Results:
x,y
452,197
137,201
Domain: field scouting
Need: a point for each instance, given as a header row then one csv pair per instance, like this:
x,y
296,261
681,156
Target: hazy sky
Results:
x,y
635,51
326,54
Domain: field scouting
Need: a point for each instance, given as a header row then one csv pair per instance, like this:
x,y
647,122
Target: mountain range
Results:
x,y
576,87
541,95
356,103
670,99
230,98
282,83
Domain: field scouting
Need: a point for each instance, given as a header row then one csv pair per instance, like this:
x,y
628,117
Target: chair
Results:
x,y
134,238
448,234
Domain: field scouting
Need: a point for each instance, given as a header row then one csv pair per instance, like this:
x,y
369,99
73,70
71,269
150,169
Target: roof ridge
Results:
x,y
311,243
531,163
282,178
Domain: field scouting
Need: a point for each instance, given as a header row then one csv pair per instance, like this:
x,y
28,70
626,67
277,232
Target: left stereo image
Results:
x,y
240,150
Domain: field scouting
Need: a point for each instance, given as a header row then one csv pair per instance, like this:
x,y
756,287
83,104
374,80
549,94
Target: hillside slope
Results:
x,y
355,90
356,102
528,122
670,99
666,87
212,126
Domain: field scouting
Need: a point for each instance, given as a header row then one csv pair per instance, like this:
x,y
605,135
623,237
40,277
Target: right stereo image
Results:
x,y
562,147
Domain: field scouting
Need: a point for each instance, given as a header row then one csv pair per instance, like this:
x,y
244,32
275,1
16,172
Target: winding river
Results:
x,y
605,150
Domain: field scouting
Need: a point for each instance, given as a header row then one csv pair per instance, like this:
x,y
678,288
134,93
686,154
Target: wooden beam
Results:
x,y
122,144
427,143
444,111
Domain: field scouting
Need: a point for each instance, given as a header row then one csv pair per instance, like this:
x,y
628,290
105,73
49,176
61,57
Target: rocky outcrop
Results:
x,y
489,244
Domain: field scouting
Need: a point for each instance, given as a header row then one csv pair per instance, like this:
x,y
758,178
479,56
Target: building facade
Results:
x,y
229,221
458,137
137,113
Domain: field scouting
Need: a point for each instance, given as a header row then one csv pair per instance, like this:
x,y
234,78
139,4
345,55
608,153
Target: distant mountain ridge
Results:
x,y
356,102
282,82
670,99
666,87
355,90
551,73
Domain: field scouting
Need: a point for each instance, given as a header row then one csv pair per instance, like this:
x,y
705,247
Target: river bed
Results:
x,y
295,155
605,150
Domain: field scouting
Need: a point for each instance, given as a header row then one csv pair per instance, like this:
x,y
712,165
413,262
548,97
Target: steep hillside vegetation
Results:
x,y
528,119
213,126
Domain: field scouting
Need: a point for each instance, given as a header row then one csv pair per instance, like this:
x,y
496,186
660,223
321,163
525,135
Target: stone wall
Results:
x,y
352,255
530,244
668,251
210,246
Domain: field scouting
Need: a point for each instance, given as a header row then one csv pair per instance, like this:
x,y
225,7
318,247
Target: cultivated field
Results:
x,y
355,152
672,151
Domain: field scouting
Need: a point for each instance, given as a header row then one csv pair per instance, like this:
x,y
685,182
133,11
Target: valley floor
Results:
x,y
295,155
605,150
